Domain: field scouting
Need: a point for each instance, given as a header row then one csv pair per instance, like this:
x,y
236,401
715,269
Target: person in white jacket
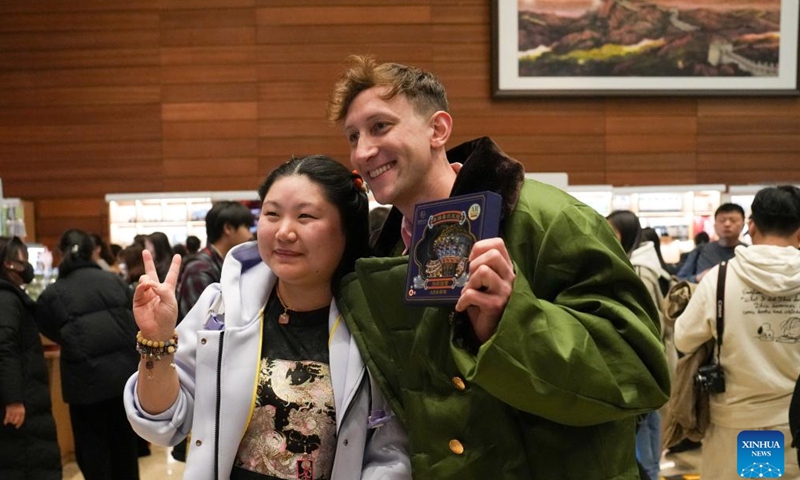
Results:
x,y
266,375
760,352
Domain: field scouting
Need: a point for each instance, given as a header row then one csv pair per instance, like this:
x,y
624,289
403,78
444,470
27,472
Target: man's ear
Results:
x,y
751,228
442,124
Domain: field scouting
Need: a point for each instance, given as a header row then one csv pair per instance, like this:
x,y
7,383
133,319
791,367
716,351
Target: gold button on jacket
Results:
x,y
456,447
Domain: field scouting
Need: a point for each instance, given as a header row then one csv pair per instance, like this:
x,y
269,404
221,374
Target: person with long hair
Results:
x,y
262,370
28,444
157,243
88,312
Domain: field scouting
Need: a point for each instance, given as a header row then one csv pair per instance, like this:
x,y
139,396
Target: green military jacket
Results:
x,y
554,393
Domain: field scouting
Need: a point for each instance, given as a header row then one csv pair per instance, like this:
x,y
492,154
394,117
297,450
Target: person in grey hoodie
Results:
x,y
760,352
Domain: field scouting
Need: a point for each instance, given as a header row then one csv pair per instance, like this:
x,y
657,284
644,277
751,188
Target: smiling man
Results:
x,y
541,367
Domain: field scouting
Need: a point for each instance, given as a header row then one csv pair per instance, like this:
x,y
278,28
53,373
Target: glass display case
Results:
x,y
676,212
178,215
12,218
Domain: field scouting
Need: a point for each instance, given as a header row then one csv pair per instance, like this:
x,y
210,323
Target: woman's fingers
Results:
x,y
149,265
174,269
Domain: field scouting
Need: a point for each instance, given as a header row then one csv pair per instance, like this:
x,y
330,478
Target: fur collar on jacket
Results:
x,y
484,167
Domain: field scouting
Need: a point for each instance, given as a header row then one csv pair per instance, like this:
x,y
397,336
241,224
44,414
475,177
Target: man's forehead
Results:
x,y
370,103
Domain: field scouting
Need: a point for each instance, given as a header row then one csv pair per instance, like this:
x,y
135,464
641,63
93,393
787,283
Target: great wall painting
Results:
x,y
649,38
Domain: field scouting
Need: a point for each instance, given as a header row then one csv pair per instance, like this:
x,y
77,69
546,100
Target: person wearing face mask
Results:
x,y
88,312
28,444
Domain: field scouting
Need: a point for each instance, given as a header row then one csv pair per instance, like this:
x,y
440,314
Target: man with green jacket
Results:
x,y
541,368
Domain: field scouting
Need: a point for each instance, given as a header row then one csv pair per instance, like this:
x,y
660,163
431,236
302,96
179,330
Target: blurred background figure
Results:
x,y
728,224
102,254
180,249
88,312
645,260
192,245
28,445
132,256
158,245
116,251
700,239
651,235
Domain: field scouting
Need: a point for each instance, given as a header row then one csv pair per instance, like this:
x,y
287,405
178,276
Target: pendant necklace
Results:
x,y
283,319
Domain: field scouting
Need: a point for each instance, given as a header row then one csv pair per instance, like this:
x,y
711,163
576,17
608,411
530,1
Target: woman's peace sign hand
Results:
x,y
154,304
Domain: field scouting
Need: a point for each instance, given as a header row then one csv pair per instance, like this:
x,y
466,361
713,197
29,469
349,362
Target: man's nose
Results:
x,y
363,150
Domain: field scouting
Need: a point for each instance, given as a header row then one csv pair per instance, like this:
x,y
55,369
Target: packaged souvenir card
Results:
x,y
443,236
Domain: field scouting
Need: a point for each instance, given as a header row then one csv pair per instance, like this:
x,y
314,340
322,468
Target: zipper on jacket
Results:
x,y
358,391
217,407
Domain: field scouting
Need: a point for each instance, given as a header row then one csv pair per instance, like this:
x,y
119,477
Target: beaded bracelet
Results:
x,y
153,350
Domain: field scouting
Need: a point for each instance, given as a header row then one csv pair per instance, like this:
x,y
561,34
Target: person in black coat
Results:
x,y
28,444
87,311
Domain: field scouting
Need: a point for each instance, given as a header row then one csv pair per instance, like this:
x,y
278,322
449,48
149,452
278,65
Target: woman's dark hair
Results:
x,y
132,257
776,210
161,245
105,251
162,253
629,228
9,252
75,246
339,185
649,234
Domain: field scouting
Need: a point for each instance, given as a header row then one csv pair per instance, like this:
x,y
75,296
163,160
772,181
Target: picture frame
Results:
x,y
644,48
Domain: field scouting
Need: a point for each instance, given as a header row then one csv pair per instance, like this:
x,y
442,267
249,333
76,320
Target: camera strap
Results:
x,y
723,267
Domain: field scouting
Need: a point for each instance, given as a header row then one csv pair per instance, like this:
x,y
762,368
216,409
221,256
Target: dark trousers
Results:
x,y
105,444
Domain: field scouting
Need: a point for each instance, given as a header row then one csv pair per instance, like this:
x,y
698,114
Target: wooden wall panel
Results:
x,y
78,40
650,163
113,96
57,22
82,97
211,92
334,15
41,115
30,60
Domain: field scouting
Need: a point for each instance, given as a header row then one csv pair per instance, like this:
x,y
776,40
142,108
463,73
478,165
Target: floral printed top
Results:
x,y
292,433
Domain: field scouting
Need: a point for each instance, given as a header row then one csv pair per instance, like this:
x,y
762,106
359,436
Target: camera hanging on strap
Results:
x,y
710,376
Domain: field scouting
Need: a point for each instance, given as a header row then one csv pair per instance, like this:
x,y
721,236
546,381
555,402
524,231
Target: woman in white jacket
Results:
x,y
266,376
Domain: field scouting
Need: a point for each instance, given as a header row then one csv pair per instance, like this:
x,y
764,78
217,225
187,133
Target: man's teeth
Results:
x,y
378,171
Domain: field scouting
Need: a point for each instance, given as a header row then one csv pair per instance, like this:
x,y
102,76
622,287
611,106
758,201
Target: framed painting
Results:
x,y
644,47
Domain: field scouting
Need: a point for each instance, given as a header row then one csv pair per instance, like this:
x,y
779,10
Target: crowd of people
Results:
x,y
295,355
88,312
